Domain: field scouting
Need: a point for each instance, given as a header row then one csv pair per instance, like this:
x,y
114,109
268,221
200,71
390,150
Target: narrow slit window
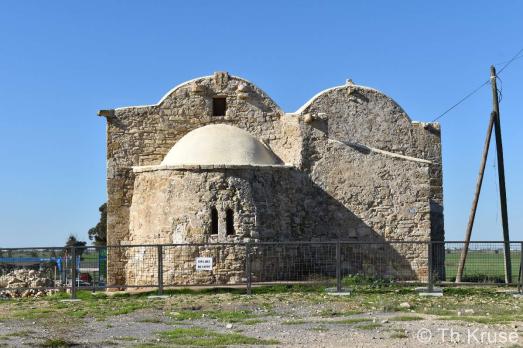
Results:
x,y
219,106
214,221
229,222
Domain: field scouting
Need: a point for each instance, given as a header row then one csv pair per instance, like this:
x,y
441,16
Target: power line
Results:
x,y
462,100
515,57
500,88
506,61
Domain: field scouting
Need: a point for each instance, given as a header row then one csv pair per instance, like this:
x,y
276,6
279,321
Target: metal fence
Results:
x,y
30,271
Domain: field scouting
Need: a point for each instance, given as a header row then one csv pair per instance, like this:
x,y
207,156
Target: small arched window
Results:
x,y
229,222
214,220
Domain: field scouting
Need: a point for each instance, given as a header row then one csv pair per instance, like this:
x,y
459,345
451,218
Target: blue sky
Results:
x,y
61,61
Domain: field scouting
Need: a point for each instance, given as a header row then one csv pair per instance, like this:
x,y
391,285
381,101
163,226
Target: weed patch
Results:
x,y
150,320
369,326
406,318
57,342
497,319
224,316
204,338
352,321
23,333
252,321
295,322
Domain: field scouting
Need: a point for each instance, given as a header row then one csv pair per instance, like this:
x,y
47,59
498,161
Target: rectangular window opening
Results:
x,y
214,221
229,222
219,106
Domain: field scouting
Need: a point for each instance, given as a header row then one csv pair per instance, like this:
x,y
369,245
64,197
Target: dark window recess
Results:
x,y
214,221
229,221
219,106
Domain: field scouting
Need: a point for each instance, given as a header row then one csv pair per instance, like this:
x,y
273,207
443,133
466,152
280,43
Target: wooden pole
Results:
x,y
501,176
479,183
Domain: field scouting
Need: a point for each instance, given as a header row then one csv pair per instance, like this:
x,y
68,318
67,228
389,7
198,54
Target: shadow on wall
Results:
x,y
321,220
297,228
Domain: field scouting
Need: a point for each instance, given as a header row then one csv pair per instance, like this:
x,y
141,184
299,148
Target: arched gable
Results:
x,y
362,115
212,85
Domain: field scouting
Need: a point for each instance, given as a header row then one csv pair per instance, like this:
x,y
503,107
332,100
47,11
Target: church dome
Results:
x,y
220,144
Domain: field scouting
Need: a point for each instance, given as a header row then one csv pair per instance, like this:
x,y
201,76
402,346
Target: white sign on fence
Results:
x,y
204,263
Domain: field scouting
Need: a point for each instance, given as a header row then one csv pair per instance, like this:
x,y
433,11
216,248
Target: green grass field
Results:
x,y
481,265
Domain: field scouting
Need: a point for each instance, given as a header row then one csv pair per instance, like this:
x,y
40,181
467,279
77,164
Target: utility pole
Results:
x,y
501,176
472,215
493,123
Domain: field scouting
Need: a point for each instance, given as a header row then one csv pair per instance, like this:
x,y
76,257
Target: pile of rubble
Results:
x,y
11,283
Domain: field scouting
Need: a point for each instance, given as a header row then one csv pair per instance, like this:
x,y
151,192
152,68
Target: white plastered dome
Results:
x,y
220,144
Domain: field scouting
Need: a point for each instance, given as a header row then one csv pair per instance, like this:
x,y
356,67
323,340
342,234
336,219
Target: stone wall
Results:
x,y
357,115
138,136
362,169
360,115
172,205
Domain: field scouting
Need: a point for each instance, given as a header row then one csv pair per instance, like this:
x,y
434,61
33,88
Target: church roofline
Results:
x,y
186,83
349,84
299,111
317,95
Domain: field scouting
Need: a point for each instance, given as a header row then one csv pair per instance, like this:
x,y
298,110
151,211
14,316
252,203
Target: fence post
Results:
x,y
430,267
99,268
520,286
338,266
160,270
73,272
248,267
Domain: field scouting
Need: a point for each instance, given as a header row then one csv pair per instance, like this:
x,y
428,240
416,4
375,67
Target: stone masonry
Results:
x,y
353,167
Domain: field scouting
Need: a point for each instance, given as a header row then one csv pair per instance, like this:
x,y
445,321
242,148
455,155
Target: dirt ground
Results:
x,y
273,316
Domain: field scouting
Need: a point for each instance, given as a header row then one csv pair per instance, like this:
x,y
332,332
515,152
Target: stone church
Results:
x,y
217,160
